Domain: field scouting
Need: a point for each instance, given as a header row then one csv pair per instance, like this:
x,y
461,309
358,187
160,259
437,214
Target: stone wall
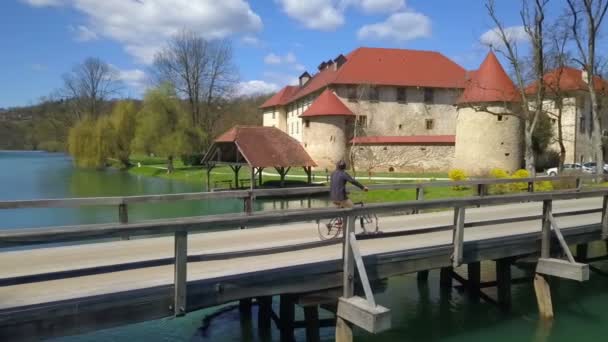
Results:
x,y
485,141
275,117
324,139
411,158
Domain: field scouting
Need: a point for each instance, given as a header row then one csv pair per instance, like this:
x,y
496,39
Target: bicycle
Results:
x,y
334,227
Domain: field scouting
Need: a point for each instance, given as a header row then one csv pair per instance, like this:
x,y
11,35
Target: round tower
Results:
x,y
325,133
488,135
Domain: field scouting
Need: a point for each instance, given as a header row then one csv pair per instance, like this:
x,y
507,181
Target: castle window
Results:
x,y
428,95
401,95
374,94
499,117
385,148
582,124
297,127
307,123
400,126
352,93
430,123
274,113
362,121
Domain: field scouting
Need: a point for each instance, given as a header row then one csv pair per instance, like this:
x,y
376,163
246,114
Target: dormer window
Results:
x,y
374,94
352,93
401,95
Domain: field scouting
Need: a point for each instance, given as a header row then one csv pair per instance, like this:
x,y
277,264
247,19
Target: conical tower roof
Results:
x,y
327,104
490,83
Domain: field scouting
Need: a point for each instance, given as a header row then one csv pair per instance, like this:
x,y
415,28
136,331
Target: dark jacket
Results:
x,y
338,185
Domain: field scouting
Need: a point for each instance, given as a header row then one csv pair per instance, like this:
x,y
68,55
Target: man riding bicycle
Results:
x,y
338,181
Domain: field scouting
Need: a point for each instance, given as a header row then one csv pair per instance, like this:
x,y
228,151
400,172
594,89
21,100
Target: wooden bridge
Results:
x,y
173,266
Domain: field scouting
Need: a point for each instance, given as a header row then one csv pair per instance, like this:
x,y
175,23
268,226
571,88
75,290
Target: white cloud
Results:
x,y
251,40
381,6
399,26
144,26
271,58
299,67
514,34
256,87
135,78
43,3
315,14
281,77
83,33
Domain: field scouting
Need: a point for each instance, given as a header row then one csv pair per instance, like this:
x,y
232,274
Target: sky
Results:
x,y
274,40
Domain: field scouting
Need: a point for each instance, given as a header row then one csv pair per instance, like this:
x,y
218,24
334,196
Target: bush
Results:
x,y
520,186
547,160
543,186
498,189
457,175
192,159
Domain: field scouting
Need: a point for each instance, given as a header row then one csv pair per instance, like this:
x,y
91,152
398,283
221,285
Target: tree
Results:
x,y
586,20
123,120
529,112
163,127
201,71
88,85
90,142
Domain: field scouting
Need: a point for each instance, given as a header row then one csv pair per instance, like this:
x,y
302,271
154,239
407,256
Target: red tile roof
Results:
x,y
280,98
265,147
379,66
567,79
489,83
406,140
327,104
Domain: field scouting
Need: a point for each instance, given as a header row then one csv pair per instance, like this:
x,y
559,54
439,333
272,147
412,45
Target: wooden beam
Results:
x,y
605,218
180,278
287,316
561,239
458,240
503,281
264,315
473,279
311,316
358,311
123,217
369,295
445,278
543,296
348,257
422,276
563,269
344,332
545,250
582,252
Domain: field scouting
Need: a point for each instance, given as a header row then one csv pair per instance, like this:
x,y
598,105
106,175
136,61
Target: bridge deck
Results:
x,y
287,270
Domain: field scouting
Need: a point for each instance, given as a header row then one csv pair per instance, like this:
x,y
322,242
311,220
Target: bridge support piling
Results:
x,y
422,276
245,308
503,283
287,317
311,316
264,316
445,278
582,252
543,296
474,279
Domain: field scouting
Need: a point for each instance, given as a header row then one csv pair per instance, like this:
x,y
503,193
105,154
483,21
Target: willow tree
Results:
x,y
90,142
123,120
164,128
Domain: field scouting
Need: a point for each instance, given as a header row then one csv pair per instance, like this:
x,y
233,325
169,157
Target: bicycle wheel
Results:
x,y
369,220
329,229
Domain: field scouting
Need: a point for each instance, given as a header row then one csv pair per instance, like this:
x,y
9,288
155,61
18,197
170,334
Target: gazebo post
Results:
x,y
236,169
209,168
308,170
252,178
260,169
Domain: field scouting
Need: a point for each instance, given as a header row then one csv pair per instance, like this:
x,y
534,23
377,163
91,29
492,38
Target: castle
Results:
x,y
395,109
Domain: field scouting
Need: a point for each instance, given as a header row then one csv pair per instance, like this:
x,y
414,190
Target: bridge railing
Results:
x,y
182,227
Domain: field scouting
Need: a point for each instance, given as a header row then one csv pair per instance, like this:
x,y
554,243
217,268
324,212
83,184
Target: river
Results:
x,y
419,312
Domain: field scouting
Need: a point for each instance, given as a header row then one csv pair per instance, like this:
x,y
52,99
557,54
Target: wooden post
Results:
x,y
287,316
458,236
252,182
123,217
605,218
543,296
545,250
419,197
245,308
308,171
530,186
474,279
236,169
344,331
422,276
581,252
578,183
260,169
264,316
209,168
445,278
180,268
311,316
503,283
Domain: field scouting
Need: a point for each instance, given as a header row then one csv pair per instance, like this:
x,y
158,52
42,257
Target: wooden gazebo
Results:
x,y
260,148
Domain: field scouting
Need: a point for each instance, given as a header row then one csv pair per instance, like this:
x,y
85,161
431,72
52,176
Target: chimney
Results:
x,y
339,61
322,66
304,78
329,64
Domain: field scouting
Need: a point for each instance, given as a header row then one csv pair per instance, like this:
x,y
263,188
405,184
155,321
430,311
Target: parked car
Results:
x,y
591,167
565,169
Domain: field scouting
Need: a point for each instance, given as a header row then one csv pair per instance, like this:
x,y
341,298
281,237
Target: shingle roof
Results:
x,y
489,83
406,140
567,79
327,104
380,66
266,147
280,98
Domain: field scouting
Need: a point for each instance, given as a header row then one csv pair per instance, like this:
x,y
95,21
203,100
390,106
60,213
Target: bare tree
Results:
x,y
201,71
88,85
533,17
586,20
